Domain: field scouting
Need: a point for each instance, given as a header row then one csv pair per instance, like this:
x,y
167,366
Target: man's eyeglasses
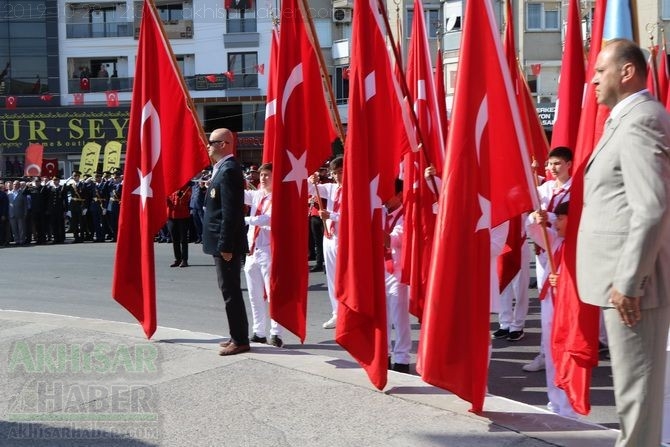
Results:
x,y
212,143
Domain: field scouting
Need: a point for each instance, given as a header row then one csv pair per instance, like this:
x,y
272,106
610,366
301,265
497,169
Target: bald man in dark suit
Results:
x,y
224,235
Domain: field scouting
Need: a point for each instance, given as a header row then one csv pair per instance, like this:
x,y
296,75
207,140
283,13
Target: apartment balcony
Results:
x,y
175,29
95,30
100,85
221,82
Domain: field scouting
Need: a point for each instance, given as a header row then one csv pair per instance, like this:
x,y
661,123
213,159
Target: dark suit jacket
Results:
x,y
223,222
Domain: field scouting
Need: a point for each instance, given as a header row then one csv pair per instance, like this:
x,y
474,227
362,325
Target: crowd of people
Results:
x,y
623,244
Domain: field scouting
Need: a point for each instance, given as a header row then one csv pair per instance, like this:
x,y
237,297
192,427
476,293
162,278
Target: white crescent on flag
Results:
x,y
29,170
149,112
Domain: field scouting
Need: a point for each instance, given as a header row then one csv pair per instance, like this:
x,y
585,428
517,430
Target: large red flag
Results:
x,y
652,73
418,197
441,93
165,148
570,83
509,261
303,137
371,164
575,331
485,133
33,164
271,102
663,75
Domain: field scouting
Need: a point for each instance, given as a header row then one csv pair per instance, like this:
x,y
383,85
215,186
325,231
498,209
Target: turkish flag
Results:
x,y
49,167
84,84
576,324
570,83
211,78
46,97
509,261
663,76
165,148
418,197
33,164
112,98
10,102
230,75
78,99
302,142
440,92
260,68
375,138
652,79
537,139
536,69
271,101
476,196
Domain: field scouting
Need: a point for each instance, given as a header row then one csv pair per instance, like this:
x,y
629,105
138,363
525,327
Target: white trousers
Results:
x,y
397,317
514,299
257,274
558,400
329,256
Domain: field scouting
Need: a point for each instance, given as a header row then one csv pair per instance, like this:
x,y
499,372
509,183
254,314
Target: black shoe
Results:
x,y
316,268
276,341
401,368
516,335
175,264
501,333
183,264
257,339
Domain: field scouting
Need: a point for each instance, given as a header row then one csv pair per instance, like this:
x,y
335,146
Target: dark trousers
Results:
x,y
228,275
316,228
178,229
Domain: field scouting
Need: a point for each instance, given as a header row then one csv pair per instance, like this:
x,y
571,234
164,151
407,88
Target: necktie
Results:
x,y
336,208
257,229
391,220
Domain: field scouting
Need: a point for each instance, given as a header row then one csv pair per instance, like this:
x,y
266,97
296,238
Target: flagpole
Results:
x,y
406,93
311,34
180,76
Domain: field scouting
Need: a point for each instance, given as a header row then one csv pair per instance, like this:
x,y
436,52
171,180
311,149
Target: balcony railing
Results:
x,y
241,25
175,29
221,82
100,85
107,29
197,82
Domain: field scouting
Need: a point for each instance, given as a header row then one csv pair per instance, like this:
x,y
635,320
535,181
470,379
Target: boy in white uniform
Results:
x,y
332,192
397,293
258,262
558,400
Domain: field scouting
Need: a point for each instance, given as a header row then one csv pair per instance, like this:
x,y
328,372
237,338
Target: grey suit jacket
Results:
x,y
624,232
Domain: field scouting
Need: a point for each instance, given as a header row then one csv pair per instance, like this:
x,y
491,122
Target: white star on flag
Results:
x,y
375,200
484,222
144,190
298,173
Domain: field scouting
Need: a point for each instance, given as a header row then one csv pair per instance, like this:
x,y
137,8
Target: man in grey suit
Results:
x,y
224,235
623,244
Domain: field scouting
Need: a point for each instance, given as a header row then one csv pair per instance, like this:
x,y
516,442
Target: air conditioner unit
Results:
x,y
342,15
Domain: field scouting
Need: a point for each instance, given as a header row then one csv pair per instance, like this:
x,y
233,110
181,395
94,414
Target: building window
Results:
x,y
171,12
23,48
341,84
243,66
665,9
543,16
431,18
240,17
